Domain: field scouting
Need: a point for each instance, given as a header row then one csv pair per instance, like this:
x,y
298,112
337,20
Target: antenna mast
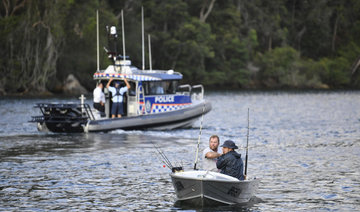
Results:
x,y
123,33
97,42
150,64
142,38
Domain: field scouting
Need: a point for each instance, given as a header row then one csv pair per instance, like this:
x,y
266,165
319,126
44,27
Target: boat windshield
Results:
x,y
160,87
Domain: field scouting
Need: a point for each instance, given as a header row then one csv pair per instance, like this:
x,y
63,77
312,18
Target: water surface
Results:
x,y
305,148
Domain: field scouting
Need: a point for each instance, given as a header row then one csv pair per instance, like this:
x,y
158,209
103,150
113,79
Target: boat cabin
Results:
x,y
152,91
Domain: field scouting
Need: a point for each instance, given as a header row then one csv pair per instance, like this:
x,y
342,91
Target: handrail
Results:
x,y
89,113
87,109
185,86
201,95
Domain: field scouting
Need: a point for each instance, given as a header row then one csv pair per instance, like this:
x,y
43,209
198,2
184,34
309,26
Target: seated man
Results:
x,y
230,162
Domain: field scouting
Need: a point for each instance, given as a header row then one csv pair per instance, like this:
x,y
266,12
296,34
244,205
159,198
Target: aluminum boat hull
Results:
x,y
206,188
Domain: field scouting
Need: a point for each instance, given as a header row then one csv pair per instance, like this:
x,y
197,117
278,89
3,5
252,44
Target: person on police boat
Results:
x,y
117,108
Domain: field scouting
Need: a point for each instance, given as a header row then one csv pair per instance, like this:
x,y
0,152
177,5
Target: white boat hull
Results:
x,y
160,121
206,187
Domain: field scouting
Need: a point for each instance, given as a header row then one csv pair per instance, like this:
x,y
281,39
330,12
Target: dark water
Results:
x,y
305,147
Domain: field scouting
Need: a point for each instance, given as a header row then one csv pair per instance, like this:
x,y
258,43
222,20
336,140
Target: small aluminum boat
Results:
x,y
207,188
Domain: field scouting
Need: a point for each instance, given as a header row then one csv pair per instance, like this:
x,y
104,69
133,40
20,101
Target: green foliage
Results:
x,y
284,68
278,66
227,44
335,73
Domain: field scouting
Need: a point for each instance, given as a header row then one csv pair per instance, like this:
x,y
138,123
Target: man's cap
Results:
x,y
229,144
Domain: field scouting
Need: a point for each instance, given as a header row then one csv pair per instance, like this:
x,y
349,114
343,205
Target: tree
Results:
x,y
28,61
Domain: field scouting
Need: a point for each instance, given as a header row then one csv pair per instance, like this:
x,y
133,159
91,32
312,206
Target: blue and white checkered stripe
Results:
x,y
166,108
128,76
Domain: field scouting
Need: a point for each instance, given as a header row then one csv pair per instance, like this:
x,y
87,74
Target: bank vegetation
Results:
x,y
227,44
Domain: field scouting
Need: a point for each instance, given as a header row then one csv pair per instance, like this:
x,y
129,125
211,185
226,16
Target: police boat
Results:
x,y
156,100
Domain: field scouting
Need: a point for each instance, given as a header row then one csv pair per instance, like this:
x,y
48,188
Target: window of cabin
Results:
x,y
132,90
160,87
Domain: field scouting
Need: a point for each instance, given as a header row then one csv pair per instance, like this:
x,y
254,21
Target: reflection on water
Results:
x,y
304,147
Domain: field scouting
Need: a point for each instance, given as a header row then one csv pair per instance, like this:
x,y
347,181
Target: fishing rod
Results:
x,y
197,149
162,154
247,145
166,160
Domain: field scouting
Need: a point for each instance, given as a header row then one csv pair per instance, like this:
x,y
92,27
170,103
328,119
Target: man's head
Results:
x,y
100,85
117,84
214,142
228,146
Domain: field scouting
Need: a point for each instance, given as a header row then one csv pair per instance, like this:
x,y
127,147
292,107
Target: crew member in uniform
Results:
x,y
117,97
99,98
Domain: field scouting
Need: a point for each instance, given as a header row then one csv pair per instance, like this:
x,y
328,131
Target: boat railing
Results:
x,y
197,92
184,89
63,112
88,111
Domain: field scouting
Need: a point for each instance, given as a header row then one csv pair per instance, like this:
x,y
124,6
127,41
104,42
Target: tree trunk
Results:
x,y
204,15
355,66
334,34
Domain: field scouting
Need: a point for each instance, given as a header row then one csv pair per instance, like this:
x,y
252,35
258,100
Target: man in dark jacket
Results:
x,y
230,161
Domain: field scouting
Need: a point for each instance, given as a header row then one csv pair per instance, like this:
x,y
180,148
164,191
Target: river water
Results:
x,y
305,148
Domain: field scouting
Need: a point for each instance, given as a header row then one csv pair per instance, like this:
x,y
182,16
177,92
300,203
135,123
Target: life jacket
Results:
x,y
117,93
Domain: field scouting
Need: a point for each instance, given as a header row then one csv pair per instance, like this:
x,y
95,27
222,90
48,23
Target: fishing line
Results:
x,y
162,160
166,160
197,149
162,154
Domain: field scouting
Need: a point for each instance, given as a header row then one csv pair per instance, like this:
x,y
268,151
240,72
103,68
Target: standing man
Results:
x,y
117,97
211,153
230,162
99,98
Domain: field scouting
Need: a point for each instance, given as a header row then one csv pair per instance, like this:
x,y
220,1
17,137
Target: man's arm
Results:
x,y
127,83
211,155
102,99
220,163
108,84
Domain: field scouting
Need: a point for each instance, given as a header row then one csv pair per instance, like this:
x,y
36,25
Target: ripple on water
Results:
x,y
304,147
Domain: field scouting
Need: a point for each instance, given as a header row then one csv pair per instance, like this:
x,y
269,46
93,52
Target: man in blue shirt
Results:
x,y
117,97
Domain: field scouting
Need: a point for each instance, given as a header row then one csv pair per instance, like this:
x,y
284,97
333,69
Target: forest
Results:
x,y
222,44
